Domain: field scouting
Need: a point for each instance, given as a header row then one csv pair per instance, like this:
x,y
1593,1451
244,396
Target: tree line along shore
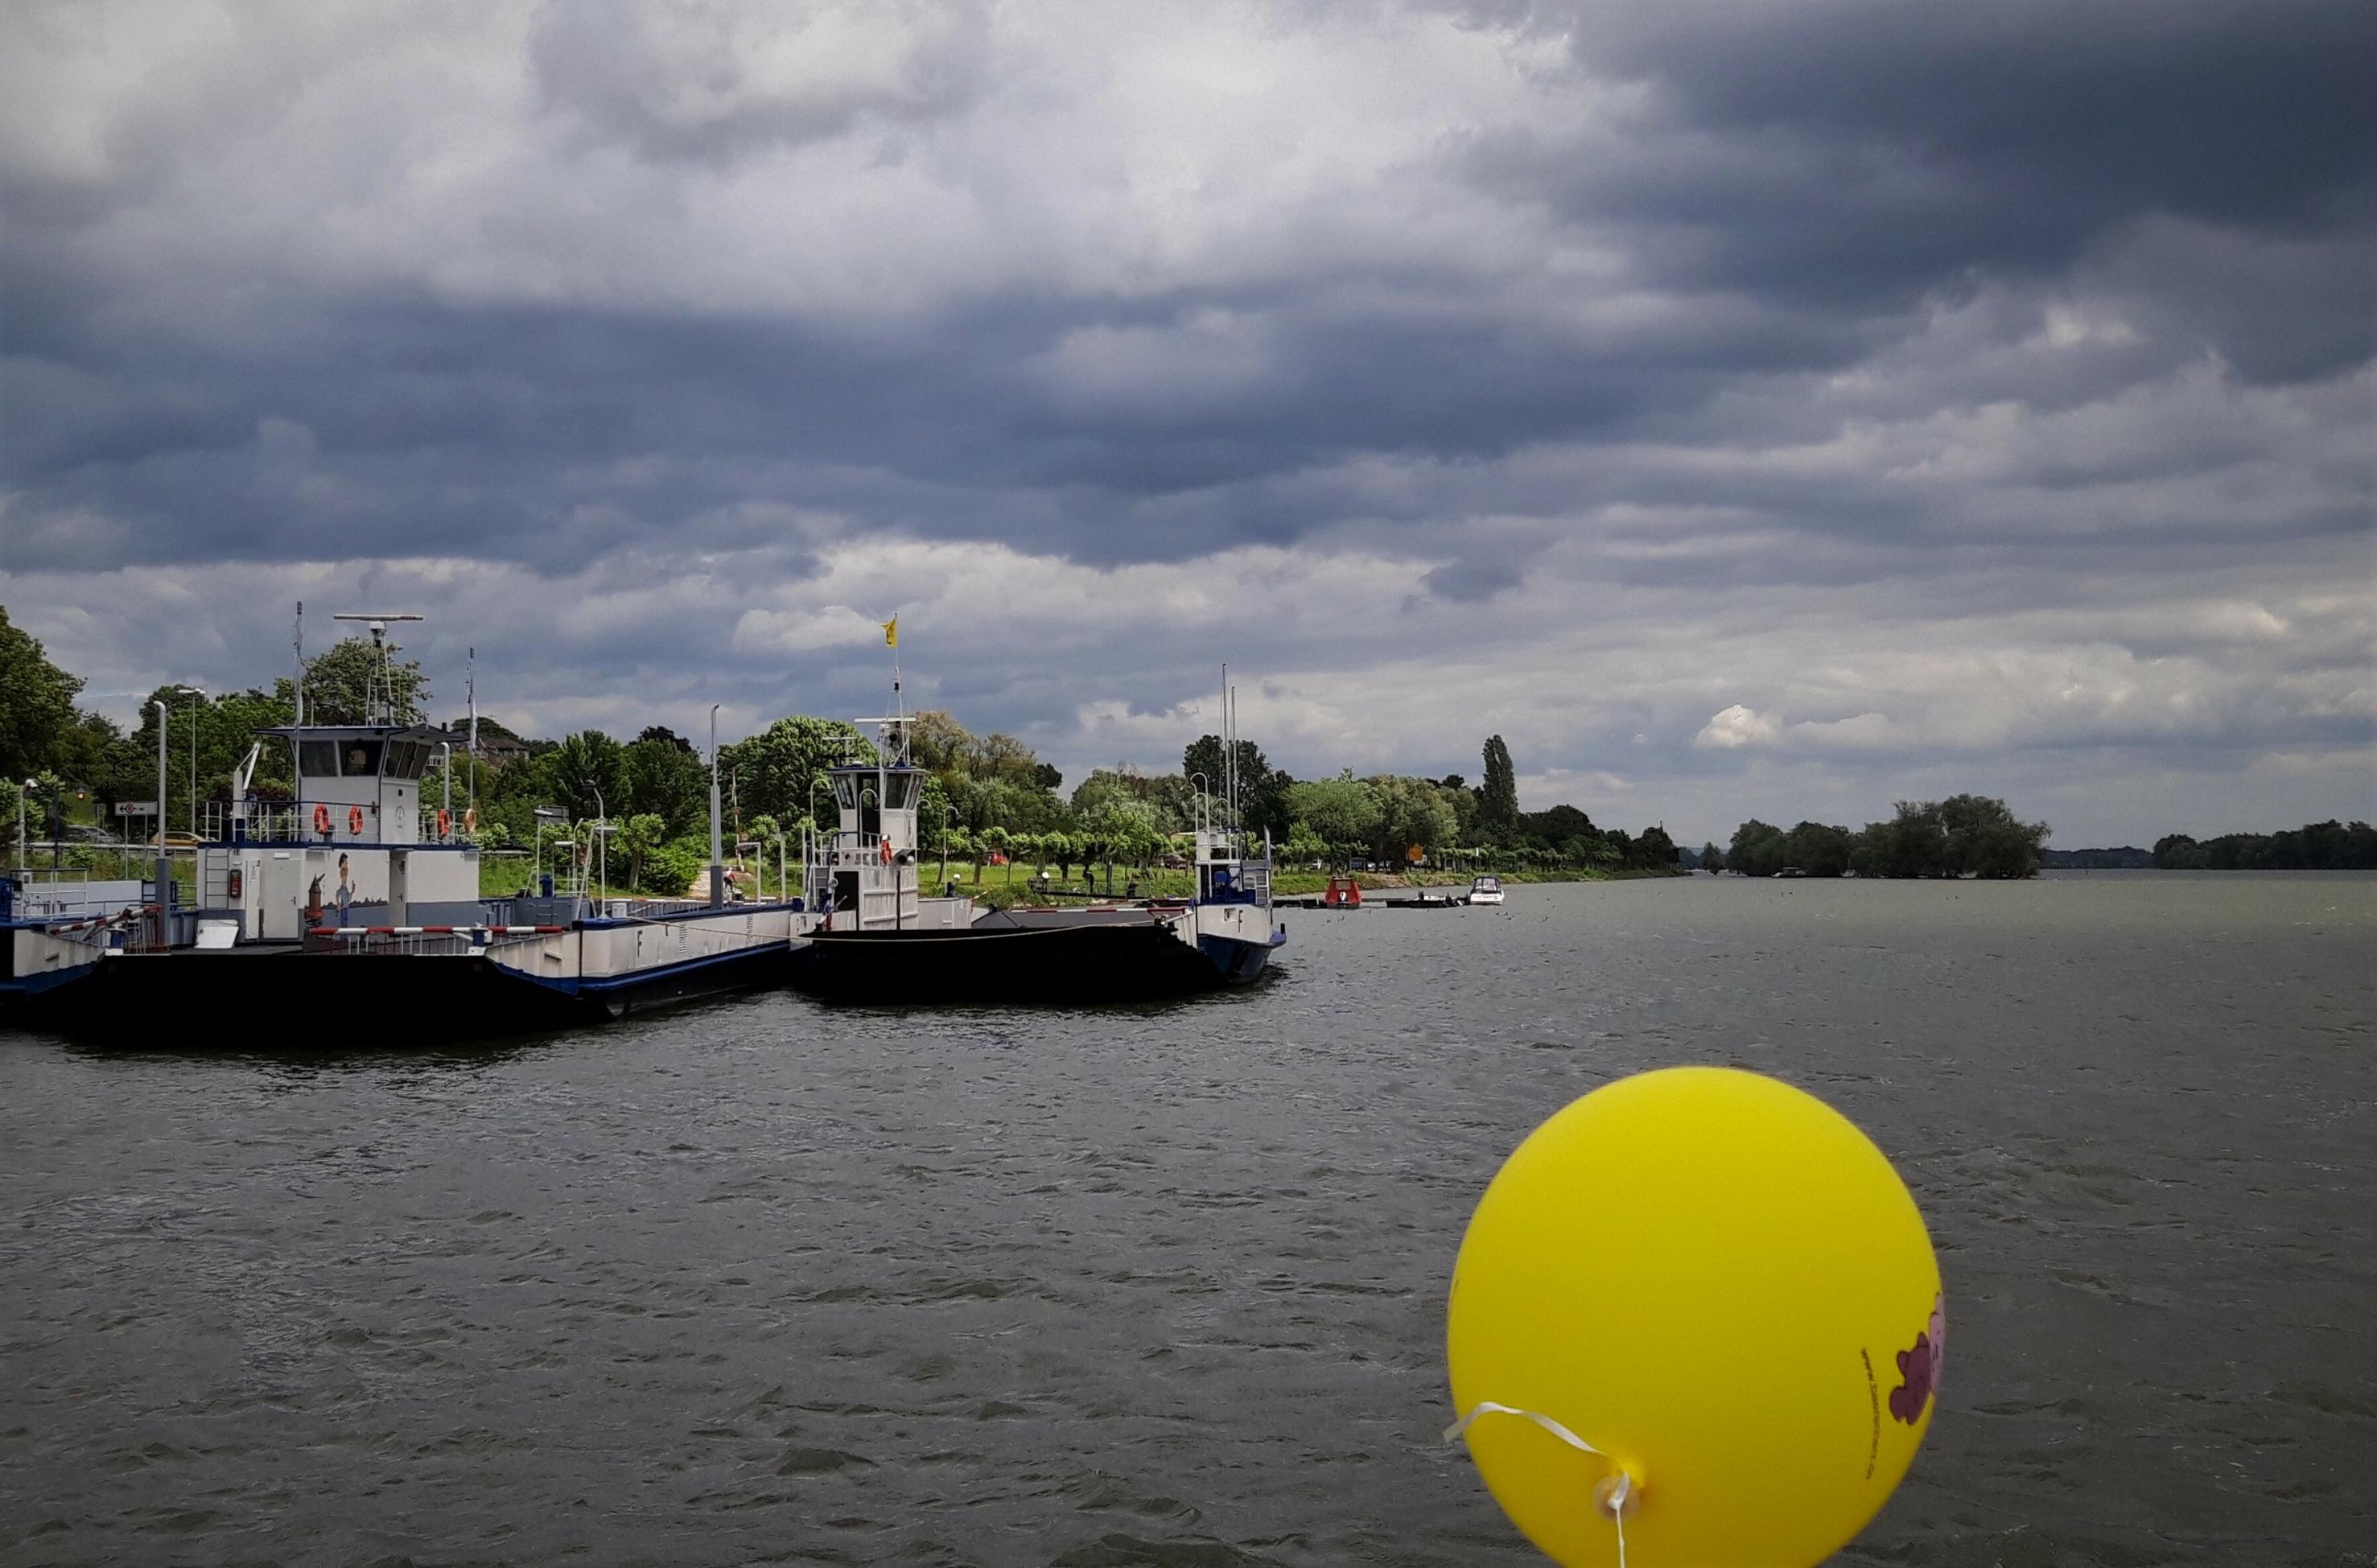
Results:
x,y
994,813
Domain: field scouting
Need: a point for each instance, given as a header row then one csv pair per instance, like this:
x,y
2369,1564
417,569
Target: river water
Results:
x,y
763,1281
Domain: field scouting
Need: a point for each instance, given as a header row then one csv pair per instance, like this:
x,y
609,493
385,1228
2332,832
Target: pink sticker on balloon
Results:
x,y
1918,1369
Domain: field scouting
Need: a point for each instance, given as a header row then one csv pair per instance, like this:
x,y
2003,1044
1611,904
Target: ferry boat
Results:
x,y
1485,890
352,879
879,939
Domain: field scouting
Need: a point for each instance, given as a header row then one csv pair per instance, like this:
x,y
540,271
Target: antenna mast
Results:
x,y
378,624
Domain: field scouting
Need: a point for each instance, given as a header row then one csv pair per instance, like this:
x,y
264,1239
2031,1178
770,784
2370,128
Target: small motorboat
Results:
x,y
1485,890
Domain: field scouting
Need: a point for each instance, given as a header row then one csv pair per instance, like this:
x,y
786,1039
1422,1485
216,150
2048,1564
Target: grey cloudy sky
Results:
x,y
1773,408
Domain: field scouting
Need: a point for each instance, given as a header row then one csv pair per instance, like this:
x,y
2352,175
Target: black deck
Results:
x,y
280,996
1025,956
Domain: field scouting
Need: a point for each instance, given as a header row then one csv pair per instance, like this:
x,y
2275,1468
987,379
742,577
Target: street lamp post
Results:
x,y
717,866
196,695
602,841
445,778
164,870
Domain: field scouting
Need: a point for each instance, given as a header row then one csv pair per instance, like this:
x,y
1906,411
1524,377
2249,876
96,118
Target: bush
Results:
x,y
670,869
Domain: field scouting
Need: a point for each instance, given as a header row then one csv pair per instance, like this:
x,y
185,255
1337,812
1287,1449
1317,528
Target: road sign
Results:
x,y
136,808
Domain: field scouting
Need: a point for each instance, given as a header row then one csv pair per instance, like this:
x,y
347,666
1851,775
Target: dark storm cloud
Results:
x,y
1806,179
1870,153
1845,362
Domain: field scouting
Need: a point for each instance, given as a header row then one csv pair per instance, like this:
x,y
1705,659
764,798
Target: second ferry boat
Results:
x,y
880,939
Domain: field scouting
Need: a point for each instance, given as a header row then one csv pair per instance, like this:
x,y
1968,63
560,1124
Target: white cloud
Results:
x,y
1733,728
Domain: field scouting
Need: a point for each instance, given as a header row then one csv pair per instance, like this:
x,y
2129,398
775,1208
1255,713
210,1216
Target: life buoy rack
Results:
x,y
322,819
445,822
886,848
355,821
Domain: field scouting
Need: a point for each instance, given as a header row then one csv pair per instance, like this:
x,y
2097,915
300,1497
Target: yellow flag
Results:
x,y
892,632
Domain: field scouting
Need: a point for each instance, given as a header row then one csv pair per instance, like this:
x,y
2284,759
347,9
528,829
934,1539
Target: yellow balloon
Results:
x,y
1718,1283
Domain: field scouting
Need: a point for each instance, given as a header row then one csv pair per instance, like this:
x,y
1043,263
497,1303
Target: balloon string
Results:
x,y
1618,1495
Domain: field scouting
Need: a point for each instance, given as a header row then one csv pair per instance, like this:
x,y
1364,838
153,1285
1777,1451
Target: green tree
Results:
x,y
1911,844
225,729
1757,850
1817,849
339,685
637,838
1263,790
1498,798
1985,840
1123,828
938,742
1344,812
1962,836
1656,851
36,704
1711,858
664,776
777,767
994,841
1304,845
1412,813
582,764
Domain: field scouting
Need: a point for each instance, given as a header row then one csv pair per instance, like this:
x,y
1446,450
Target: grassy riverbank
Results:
x,y
993,884
1010,884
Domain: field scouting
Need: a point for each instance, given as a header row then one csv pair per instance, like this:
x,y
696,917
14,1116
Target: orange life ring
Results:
x,y
322,819
355,821
886,851
470,819
445,822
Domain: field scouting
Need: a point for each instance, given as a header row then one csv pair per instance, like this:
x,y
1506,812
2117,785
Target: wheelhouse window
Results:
x,y
846,792
317,759
900,793
358,758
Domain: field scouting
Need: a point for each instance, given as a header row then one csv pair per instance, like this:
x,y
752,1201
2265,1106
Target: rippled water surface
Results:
x,y
764,1281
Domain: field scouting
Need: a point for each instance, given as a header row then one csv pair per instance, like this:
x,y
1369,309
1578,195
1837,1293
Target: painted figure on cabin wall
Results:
x,y
346,885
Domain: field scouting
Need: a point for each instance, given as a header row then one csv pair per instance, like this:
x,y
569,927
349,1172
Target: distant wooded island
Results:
x,y
2315,845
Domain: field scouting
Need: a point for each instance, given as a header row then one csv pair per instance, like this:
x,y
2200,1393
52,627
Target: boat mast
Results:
x,y
297,772
1228,761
